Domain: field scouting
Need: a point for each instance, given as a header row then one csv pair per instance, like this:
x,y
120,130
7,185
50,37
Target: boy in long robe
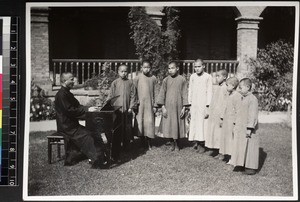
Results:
x,y
199,96
228,117
213,132
173,99
145,84
246,140
127,100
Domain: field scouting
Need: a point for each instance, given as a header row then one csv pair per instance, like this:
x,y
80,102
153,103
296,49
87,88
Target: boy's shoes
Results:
x,y
238,169
168,143
229,162
221,157
200,149
209,153
249,171
172,146
195,146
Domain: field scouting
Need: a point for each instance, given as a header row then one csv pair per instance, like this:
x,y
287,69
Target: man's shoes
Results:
x,y
115,160
98,164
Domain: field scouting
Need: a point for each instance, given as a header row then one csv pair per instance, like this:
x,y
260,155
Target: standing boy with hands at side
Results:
x,y
173,99
199,96
125,89
246,140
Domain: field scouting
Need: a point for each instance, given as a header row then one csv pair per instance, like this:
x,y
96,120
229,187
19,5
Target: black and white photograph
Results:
x,y
161,101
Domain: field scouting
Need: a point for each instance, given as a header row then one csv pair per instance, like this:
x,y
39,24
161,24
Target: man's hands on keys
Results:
x,y
93,109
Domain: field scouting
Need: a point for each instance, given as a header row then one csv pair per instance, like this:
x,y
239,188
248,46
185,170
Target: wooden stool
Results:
x,y
55,139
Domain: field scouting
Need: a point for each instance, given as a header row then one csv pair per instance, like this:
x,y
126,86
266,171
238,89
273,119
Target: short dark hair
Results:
x,y
233,81
63,76
199,60
246,82
173,62
121,66
146,61
224,72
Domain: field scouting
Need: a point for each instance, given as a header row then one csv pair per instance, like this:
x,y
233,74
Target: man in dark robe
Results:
x,y
78,140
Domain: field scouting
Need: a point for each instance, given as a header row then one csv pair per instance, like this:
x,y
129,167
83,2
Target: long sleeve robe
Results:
x,y
127,100
199,95
173,94
246,152
213,130
68,111
229,116
126,91
146,100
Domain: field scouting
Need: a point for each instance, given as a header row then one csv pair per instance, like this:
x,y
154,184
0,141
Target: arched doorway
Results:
x,y
208,32
278,23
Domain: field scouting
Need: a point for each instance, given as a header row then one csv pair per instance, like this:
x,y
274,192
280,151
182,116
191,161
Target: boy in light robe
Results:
x,y
173,100
127,100
246,140
145,84
199,96
228,118
213,132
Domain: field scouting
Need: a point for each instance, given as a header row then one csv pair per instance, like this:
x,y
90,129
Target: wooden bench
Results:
x,y
55,139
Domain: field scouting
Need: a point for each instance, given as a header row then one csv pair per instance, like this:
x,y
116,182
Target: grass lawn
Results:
x,y
161,171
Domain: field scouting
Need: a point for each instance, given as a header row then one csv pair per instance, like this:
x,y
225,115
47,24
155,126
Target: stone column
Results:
x,y
247,38
40,48
156,14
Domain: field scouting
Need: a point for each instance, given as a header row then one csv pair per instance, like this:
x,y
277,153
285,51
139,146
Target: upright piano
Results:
x,y
104,121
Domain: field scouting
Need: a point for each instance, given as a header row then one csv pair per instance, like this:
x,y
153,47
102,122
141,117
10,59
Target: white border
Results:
x,y
156,197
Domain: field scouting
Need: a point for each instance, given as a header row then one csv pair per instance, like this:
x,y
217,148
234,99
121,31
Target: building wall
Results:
x,y
90,33
208,33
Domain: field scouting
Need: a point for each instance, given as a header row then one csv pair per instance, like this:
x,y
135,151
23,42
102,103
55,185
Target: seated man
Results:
x,y
78,139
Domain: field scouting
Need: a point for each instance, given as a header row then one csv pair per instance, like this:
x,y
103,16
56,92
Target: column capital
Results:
x,y
40,15
248,22
156,14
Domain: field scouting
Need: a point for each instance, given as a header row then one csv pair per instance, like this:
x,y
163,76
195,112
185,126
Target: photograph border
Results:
x,y
155,197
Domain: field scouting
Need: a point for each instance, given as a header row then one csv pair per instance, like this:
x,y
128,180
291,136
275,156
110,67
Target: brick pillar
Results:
x,y
247,36
40,48
156,14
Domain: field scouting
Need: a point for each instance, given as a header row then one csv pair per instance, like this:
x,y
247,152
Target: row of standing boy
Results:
x,y
223,121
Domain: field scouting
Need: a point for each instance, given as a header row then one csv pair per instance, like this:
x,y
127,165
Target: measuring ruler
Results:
x,y
10,82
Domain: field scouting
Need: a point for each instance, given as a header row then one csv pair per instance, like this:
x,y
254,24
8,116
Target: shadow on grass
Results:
x,y
262,158
137,150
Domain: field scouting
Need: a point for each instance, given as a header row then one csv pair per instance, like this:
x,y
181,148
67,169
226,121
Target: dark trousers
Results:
x,y
83,143
123,135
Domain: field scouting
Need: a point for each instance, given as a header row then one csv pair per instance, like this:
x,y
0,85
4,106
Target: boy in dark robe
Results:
x,y
77,138
125,89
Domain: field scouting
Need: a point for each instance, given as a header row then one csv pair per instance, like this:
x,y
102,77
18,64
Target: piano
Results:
x,y
104,121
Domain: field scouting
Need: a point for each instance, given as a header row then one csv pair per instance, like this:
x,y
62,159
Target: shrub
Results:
x,y
272,72
41,108
102,82
158,45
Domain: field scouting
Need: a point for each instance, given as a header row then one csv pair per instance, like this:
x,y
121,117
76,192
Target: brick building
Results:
x,y
212,33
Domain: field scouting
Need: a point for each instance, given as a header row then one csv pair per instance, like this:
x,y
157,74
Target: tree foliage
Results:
x,y
273,74
158,45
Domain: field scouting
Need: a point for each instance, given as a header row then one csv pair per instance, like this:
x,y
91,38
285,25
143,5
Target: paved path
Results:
x,y
264,117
